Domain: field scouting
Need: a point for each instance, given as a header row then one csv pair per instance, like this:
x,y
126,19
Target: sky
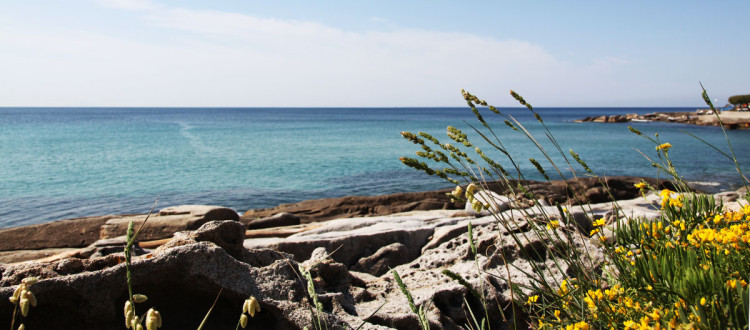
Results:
x,y
357,53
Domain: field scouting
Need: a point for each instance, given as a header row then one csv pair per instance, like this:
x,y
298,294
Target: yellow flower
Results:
x,y
578,326
532,299
703,301
664,147
593,232
732,284
563,287
554,224
599,223
640,185
557,314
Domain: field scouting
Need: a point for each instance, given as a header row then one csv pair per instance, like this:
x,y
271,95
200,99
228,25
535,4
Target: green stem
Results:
x,y
15,311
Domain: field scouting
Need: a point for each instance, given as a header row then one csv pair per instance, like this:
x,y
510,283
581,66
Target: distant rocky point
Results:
x,y
729,119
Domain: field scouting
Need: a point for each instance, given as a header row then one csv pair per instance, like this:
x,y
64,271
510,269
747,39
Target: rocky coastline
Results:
x,y
186,254
729,119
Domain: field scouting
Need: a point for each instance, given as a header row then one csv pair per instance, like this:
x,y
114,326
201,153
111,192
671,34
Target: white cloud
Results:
x,y
213,58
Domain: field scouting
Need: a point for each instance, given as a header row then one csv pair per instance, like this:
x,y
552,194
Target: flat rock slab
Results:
x,y
9,257
57,234
357,206
168,221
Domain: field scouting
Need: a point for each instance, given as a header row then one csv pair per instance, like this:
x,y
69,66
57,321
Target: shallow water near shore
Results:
x,y
60,163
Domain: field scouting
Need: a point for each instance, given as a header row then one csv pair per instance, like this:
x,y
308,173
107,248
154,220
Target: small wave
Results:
x,y
711,187
705,183
195,141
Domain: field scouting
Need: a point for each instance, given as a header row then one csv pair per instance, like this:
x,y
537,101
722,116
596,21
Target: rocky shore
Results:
x,y
186,254
730,119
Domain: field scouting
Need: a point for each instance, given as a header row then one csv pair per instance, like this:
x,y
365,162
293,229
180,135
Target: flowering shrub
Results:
x,y
686,269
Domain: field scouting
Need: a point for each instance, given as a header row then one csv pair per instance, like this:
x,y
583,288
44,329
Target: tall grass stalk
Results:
x,y
421,310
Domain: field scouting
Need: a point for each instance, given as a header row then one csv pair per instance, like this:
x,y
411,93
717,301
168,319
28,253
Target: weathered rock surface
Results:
x,y
352,206
349,261
181,282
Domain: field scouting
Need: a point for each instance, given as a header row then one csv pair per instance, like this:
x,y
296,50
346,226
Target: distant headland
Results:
x,y
736,116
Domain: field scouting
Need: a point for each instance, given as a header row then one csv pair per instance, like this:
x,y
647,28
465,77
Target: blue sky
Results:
x,y
370,53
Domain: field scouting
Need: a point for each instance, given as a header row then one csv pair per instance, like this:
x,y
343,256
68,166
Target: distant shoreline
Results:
x,y
729,119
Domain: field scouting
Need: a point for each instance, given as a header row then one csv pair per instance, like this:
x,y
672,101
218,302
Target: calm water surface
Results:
x,y
72,162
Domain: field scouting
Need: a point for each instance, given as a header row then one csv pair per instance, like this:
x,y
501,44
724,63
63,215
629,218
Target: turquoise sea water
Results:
x,y
58,163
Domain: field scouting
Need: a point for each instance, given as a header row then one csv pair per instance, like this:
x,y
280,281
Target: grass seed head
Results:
x,y
29,281
129,314
243,320
153,319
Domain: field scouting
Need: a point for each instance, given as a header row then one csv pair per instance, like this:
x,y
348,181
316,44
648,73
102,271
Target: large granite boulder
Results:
x,y
181,281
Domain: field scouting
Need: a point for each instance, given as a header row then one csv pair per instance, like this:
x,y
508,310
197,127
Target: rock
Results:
x,y
183,276
71,233
730,119
383,259
727,196
228,235
168,221
352,239
595,194
181,282
10,257
354,206
616,119
277,220
574,191
600,119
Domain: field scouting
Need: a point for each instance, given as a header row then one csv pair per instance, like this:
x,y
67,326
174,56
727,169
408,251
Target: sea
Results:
x,y
60,163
